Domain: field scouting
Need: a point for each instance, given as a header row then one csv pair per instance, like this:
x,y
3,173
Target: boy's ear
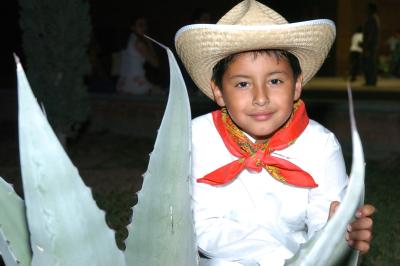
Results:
x,y
298,87
218,97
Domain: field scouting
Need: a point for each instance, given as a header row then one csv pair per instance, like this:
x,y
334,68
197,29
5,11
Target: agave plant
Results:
x,y
328,247
59,223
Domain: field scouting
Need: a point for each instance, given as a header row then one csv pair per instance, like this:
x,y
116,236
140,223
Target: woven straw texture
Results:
x,y
248,26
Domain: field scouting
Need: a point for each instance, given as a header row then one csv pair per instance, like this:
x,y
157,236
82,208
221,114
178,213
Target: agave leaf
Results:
x,y
162,231
66,226
14,235
329,247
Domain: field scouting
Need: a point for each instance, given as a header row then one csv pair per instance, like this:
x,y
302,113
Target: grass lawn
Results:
x,y
383,191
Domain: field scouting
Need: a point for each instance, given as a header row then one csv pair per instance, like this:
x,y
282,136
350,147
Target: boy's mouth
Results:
x,y
262,116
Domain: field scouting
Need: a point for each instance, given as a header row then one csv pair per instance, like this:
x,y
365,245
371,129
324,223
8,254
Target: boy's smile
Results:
x,y
258,90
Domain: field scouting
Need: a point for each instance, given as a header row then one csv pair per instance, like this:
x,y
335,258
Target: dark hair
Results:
x,y
220,68
372,8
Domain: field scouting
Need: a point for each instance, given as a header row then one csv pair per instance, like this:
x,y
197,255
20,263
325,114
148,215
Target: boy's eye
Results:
x,y
275,81
242,84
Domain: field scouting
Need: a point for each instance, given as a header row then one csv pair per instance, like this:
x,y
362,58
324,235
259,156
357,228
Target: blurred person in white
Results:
x,y
356,53
139,51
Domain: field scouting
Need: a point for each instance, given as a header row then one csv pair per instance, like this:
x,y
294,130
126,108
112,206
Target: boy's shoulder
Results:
x,y
315,127
204,130
201,121
316,136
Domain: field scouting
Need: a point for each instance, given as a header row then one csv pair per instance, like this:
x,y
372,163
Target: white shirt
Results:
x,y
356,41
257,220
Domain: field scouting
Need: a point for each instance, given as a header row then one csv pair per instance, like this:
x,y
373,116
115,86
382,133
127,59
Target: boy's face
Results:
x,y
259,91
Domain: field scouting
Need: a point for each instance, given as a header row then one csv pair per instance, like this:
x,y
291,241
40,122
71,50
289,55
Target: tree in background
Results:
x,y
55,39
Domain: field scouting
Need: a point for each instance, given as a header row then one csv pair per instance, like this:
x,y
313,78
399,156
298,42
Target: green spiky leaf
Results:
x,y
66,226
162,232
14,235
328,247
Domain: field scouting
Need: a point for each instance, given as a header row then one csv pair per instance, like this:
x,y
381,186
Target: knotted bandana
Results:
x,y
255,156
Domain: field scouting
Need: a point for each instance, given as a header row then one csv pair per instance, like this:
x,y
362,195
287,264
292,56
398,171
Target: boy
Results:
x,y
265,177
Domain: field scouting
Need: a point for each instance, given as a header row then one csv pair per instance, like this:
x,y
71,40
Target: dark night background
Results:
x,y
113,148
110,21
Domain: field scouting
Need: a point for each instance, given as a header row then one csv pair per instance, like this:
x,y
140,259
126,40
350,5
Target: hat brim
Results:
x,y
202,46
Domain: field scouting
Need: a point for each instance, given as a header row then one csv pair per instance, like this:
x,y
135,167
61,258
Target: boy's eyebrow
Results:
x,y
278,72
239,76
268,74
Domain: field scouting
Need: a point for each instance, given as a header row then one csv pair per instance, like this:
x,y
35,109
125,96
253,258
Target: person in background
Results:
x,y
355,53
200,15
138,54
371,31
394,60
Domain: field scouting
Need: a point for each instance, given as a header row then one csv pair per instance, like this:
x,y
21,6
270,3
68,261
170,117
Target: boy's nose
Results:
x,y
260,96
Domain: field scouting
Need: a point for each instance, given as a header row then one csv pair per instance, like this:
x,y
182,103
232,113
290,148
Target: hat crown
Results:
x,y
251,12
250,26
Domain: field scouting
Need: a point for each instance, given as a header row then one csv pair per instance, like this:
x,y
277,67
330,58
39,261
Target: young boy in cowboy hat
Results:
x,y
265,176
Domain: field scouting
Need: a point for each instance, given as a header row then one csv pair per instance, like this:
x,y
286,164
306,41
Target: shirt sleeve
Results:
x,y
332,184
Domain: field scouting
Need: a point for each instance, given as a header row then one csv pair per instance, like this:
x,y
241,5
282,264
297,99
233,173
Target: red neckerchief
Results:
x,y
254,157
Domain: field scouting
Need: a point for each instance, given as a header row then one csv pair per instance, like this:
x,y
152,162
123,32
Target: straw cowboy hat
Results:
x,y
251,25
